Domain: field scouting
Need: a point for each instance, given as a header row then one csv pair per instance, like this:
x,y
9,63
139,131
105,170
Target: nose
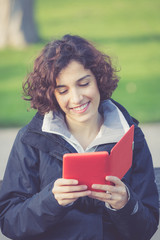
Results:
x,y
76,96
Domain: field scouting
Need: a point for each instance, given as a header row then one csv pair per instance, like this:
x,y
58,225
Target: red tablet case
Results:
x,y
93,167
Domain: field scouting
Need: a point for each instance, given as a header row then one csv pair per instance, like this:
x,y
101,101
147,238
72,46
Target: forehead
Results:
x,y
73,72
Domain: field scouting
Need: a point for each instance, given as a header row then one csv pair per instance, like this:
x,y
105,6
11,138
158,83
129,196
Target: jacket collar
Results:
x,y
46,142
112,130
54,144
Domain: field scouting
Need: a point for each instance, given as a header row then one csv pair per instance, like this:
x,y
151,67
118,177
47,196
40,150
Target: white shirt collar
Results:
x,y
112,130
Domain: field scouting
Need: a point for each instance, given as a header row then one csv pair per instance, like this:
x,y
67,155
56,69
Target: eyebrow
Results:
x,y
80,79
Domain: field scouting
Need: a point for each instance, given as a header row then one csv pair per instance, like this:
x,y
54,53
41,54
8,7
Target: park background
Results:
x,y
128,31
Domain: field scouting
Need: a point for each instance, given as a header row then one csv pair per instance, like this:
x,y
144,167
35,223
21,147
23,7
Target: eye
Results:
x,y
84,84
61,90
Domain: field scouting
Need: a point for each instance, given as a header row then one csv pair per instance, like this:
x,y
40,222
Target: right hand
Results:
x,y
67,191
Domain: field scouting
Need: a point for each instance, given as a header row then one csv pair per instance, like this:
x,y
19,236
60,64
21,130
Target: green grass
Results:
x,y
126,30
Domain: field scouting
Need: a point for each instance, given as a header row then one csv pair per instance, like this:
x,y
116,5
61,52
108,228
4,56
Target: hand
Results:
x,y
116,196
67,191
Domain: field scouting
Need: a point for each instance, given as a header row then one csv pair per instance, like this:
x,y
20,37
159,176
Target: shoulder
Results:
x,y
32,138
131,120
138,134
33,126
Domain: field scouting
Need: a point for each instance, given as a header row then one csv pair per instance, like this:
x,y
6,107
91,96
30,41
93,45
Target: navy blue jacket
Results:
x,y
28,209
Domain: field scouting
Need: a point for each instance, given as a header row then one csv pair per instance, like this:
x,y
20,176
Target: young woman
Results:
x,y
70,86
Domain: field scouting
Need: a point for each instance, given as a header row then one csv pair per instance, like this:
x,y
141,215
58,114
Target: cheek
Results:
x,y
96,96
62,101
95,92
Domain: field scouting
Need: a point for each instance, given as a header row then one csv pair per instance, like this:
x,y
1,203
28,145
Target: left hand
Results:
x,y
116,196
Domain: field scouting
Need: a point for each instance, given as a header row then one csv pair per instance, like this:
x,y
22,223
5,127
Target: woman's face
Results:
x,y
77,93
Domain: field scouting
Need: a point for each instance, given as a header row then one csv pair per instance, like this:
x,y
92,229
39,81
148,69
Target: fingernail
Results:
x,y
107,177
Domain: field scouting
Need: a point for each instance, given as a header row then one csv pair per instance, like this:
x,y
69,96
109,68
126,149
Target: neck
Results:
x,y
85,132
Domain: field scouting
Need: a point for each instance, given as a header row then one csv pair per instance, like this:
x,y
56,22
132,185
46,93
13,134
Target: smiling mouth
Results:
x,y
81,108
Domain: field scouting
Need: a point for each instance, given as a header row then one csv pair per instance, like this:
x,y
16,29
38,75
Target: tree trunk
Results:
x,y
17,25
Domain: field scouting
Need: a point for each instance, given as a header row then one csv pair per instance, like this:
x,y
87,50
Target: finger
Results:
x,y
70,188
107,197
101,195
105,188
72,195
116,189
63,181
120,189
114,180
99,187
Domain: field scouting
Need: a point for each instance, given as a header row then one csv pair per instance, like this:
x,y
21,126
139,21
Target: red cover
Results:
x,y
93,167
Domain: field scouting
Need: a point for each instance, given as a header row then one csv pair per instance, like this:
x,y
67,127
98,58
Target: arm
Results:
x,y
25,209
138,219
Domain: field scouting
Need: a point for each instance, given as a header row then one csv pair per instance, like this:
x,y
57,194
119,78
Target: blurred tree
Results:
x,y
17,24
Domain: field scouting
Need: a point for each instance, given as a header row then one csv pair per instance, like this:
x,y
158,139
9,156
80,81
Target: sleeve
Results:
x,y
139,218
25,210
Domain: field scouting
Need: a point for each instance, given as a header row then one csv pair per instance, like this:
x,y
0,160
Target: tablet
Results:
x,y
87,168
92,167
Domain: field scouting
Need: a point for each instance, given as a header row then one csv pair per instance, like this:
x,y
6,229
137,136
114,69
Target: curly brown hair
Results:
x,y
40,84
